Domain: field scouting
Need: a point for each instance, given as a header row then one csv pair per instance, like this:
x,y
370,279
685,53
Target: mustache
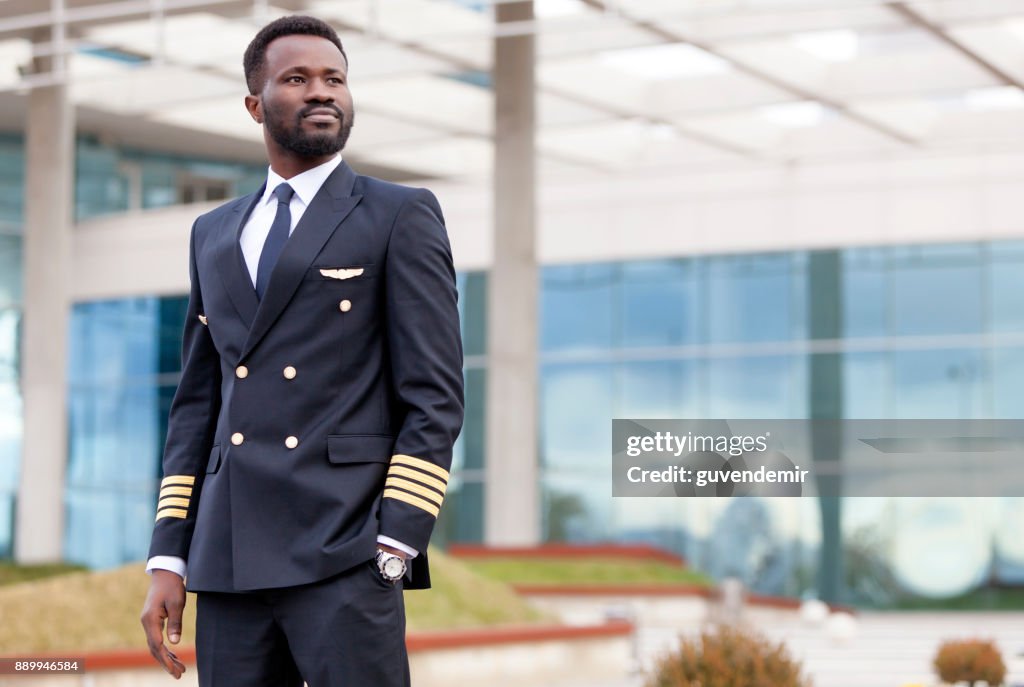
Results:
x,y
320,106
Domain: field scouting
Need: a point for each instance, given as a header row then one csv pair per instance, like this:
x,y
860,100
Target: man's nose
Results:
x,y
318,91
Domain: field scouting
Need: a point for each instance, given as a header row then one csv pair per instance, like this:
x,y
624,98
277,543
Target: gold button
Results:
x,y
289,372
291,442
345,305
237,438
241,372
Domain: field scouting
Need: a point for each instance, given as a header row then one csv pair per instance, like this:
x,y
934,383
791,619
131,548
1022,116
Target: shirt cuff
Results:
x,y
388,541
172,563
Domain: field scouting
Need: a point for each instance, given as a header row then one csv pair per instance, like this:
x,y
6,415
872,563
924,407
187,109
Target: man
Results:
x,y
311,434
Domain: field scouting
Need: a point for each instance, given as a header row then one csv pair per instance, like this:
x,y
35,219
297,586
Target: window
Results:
x,y
197,189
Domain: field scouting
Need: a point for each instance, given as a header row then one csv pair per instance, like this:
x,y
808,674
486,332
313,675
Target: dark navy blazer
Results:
x,y
307,423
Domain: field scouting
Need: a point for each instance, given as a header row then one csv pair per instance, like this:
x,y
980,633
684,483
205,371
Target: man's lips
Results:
x,y
322,114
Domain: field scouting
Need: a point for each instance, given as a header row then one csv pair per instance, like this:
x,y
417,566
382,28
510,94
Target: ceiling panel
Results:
x,y
223,116
618,89
146,88
627,145
453,157
198,39
754,24
431,100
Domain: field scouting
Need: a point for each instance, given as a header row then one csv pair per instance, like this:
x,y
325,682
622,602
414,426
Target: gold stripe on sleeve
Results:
x,y
409,485
172,501
172,513
419,477
412,500
176,491
420,464
185,480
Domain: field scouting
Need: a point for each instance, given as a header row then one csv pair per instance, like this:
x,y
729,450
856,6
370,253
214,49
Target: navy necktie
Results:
x,y
276,239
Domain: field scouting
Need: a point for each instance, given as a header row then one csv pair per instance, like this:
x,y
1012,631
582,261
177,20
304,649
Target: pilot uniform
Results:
x,y
311,422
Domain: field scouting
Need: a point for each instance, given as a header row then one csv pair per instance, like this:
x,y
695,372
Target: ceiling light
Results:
x,y
547,9
798,115
1015,26
660,62
830,46
661,131
995,98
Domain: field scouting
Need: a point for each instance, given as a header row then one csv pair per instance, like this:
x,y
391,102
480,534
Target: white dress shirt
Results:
x,y
254,234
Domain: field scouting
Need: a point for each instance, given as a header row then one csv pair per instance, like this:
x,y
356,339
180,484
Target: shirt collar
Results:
x,y
305,185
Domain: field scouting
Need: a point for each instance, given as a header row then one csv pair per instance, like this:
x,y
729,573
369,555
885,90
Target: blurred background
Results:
x,y
658,208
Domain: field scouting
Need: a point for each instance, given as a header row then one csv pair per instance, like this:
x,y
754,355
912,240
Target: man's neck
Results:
x,y
288,165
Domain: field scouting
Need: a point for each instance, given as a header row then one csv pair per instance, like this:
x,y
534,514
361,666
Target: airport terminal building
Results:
x,y
657,209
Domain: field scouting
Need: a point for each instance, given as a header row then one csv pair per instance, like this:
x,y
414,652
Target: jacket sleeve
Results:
x,y
425,350
190,428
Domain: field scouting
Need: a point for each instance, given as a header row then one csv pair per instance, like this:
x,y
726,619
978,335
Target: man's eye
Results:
x,y
339,82
295,79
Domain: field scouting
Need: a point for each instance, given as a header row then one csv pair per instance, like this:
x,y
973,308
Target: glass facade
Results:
x,y
105,390
111,180
888,332
125,362
11,211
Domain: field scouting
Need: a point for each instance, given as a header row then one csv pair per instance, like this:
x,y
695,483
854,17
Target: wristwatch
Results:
x,y
391,567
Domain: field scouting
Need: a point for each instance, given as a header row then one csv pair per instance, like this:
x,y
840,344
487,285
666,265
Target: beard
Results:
x,y
305,143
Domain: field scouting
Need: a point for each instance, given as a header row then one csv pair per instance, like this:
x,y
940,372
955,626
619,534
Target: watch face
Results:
x,y
394,567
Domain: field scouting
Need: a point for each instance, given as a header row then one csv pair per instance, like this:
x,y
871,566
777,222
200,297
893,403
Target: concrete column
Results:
x,y
49,199
825,307
512,493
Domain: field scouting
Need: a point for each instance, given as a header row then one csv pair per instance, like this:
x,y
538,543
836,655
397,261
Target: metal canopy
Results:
x,y
642,87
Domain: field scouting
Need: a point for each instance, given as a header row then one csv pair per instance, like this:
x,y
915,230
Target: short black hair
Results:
x,y
256,54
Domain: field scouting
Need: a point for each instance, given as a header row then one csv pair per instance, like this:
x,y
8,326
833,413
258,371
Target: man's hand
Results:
x,y
165,601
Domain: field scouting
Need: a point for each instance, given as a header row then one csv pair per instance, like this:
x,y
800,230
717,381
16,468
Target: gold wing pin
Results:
x,y
202,318
342,273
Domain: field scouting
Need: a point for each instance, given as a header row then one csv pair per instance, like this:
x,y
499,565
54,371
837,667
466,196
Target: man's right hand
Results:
x,y
165,601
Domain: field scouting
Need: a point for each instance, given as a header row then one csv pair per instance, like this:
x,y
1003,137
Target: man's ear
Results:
x,y
252,104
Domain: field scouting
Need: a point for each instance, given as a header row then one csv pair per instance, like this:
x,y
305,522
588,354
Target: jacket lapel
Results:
x,y
233,271
329,207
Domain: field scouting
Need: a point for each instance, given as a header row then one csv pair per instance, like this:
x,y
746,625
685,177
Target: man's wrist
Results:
x,y
396,544
174,564
393,550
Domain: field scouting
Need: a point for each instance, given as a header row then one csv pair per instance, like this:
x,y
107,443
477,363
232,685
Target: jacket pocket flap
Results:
x,y
359,448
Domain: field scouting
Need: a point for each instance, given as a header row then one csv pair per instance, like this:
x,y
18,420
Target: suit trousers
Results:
x,y
345,631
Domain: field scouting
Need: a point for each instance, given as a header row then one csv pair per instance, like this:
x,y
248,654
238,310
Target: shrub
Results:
x,y
728,657
970,661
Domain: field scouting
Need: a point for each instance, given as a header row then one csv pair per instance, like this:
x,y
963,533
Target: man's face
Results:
x,y
305,103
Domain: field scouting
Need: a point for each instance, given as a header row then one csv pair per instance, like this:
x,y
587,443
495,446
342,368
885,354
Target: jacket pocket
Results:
x,y
213,464
359,448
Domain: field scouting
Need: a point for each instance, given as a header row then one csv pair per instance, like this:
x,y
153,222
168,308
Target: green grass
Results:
x,y
88,611
572,571
11,573
985,599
